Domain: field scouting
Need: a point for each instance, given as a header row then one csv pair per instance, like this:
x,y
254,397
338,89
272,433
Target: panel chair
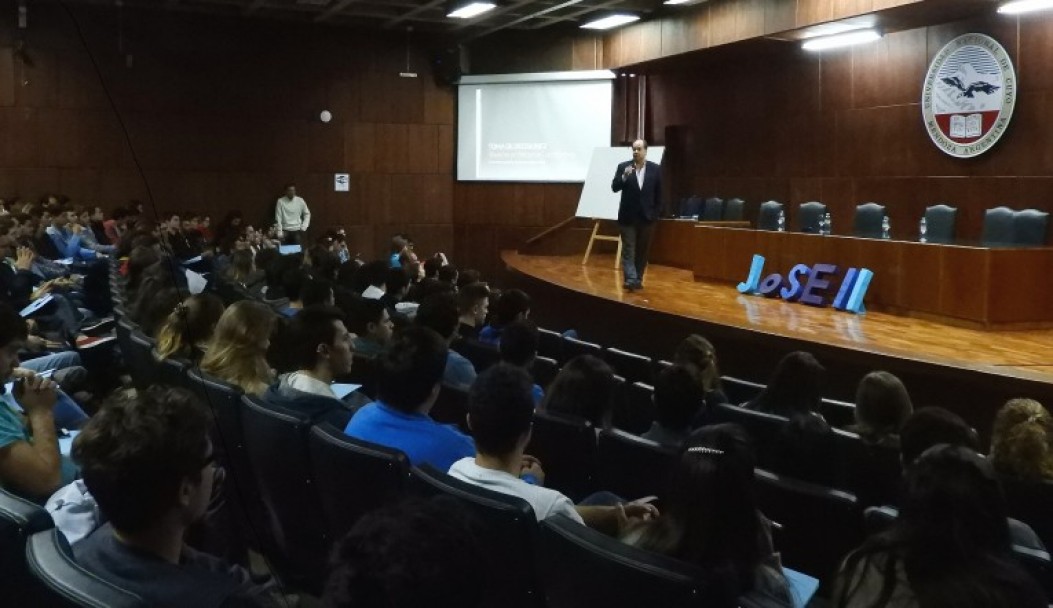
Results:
x,y
713,210
768,216
353,477
19,519
809,216
631,366
567,447
867,221
580,566
67,583
998,227
276,444
632,467
734,210
941,223
691,206
507,531
1030,228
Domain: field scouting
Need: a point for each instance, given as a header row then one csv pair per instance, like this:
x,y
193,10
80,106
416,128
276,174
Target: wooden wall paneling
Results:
x,y
326,147
360,144
1035,53
375,196
921,278
587,52
422,148
439,106
391,148
8,81
1020,290
890,71
849,8
780,16
421,199
81,185
815,11
964,282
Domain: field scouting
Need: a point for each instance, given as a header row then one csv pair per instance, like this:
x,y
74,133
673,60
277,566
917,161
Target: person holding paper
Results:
x,y
292,216
640,184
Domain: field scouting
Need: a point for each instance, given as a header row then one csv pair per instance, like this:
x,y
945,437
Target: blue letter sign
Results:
x,y
810,285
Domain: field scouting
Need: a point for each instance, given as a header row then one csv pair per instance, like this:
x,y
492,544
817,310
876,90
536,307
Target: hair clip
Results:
x,y
705,450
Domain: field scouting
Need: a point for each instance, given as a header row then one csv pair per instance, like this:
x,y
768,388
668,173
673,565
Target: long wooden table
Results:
x,y
990,287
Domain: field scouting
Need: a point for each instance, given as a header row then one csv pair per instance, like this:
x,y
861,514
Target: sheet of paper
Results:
x,y
65,444
342,390
195,283
192,261
289,249
36,305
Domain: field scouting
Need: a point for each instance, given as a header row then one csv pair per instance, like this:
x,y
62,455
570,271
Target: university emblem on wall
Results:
x,y
968,95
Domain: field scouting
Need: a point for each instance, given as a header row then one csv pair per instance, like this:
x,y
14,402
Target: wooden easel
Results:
x,y
595,236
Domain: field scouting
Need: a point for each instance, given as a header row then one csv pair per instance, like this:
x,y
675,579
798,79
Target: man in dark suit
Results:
x,y
640,183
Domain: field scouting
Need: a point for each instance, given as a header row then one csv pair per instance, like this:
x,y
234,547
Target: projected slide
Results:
x,y
531,131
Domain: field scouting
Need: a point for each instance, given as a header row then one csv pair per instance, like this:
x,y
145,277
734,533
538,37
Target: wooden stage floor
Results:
x,y
1025,355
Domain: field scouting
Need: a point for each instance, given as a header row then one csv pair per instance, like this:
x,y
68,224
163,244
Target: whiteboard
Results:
x,y
597,201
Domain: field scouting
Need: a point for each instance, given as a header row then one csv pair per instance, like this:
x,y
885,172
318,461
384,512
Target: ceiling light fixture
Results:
x,y
841,40
1025,6
610,21
469,10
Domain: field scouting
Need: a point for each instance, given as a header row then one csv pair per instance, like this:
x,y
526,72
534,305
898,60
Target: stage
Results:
x,y
968,370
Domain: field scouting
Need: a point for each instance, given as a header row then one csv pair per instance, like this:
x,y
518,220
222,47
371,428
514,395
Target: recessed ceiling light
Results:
x,y
1025,6
841,40
610,21
473,9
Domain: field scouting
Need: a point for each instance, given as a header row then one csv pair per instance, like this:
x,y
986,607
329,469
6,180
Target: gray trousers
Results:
x,y
636,243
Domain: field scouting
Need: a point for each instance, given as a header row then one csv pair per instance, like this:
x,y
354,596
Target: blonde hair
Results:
x,y
191,323
238,349
1022,441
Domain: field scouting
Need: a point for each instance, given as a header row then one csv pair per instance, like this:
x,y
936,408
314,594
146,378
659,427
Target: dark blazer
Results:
x,y
638,205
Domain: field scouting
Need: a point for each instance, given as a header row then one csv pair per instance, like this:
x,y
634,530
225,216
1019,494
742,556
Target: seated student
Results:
x,y
237,352
243,275
584,388
65,235
468,276
292,285
950,546
448,275
795,388
439,313
187,330
374,275
519,343
400,244
473,302
1022,442
320,350
396,286
30,463
711,519
882,406
115,227
698,352
410,376
413,554
511,306
678,397
149,464
371,323
317,292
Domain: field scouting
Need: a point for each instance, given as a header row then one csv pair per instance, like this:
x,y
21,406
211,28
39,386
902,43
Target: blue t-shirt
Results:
x,y
490,335
418,436
13,429
538,394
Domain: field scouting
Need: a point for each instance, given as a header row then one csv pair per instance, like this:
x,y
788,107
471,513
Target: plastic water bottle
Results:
x,y
828,224
923,229
782,221
886,228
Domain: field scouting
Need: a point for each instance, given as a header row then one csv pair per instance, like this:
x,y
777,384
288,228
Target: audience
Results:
x,y
882,406
473,302
149,465
317,292
320,351
698,352
679,396
1022,442
583,388
186,332
519,344
439,313
293,281
372,325
411,373
511,306
950,546
711,519
374,275
795,388
238,349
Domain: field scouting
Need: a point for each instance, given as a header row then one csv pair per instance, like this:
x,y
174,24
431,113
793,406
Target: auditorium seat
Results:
x,y
998,227
768,216
691,206
820,525
170,372
713,210
1030,227
632,467
451,407
566,447
873,473
764,429
868,220
739,391
353,477
634,410
838,413
809,215
507,528
573,347
139,357
550,344
734,210
631,366
544,371
659,366
364,371
1031,503
580,566
67,583
276,444
482,356
19,518
940,223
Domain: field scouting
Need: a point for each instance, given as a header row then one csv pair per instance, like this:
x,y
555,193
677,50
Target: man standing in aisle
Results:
x,y
640,183
292,216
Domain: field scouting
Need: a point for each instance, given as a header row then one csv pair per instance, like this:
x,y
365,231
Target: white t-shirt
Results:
x,y
373,293
544,501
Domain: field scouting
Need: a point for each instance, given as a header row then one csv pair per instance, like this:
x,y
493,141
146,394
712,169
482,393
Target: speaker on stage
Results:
x,y
447,65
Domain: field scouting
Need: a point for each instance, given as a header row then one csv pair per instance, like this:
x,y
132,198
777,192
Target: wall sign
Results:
x,y
969,95
810,285
341,182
